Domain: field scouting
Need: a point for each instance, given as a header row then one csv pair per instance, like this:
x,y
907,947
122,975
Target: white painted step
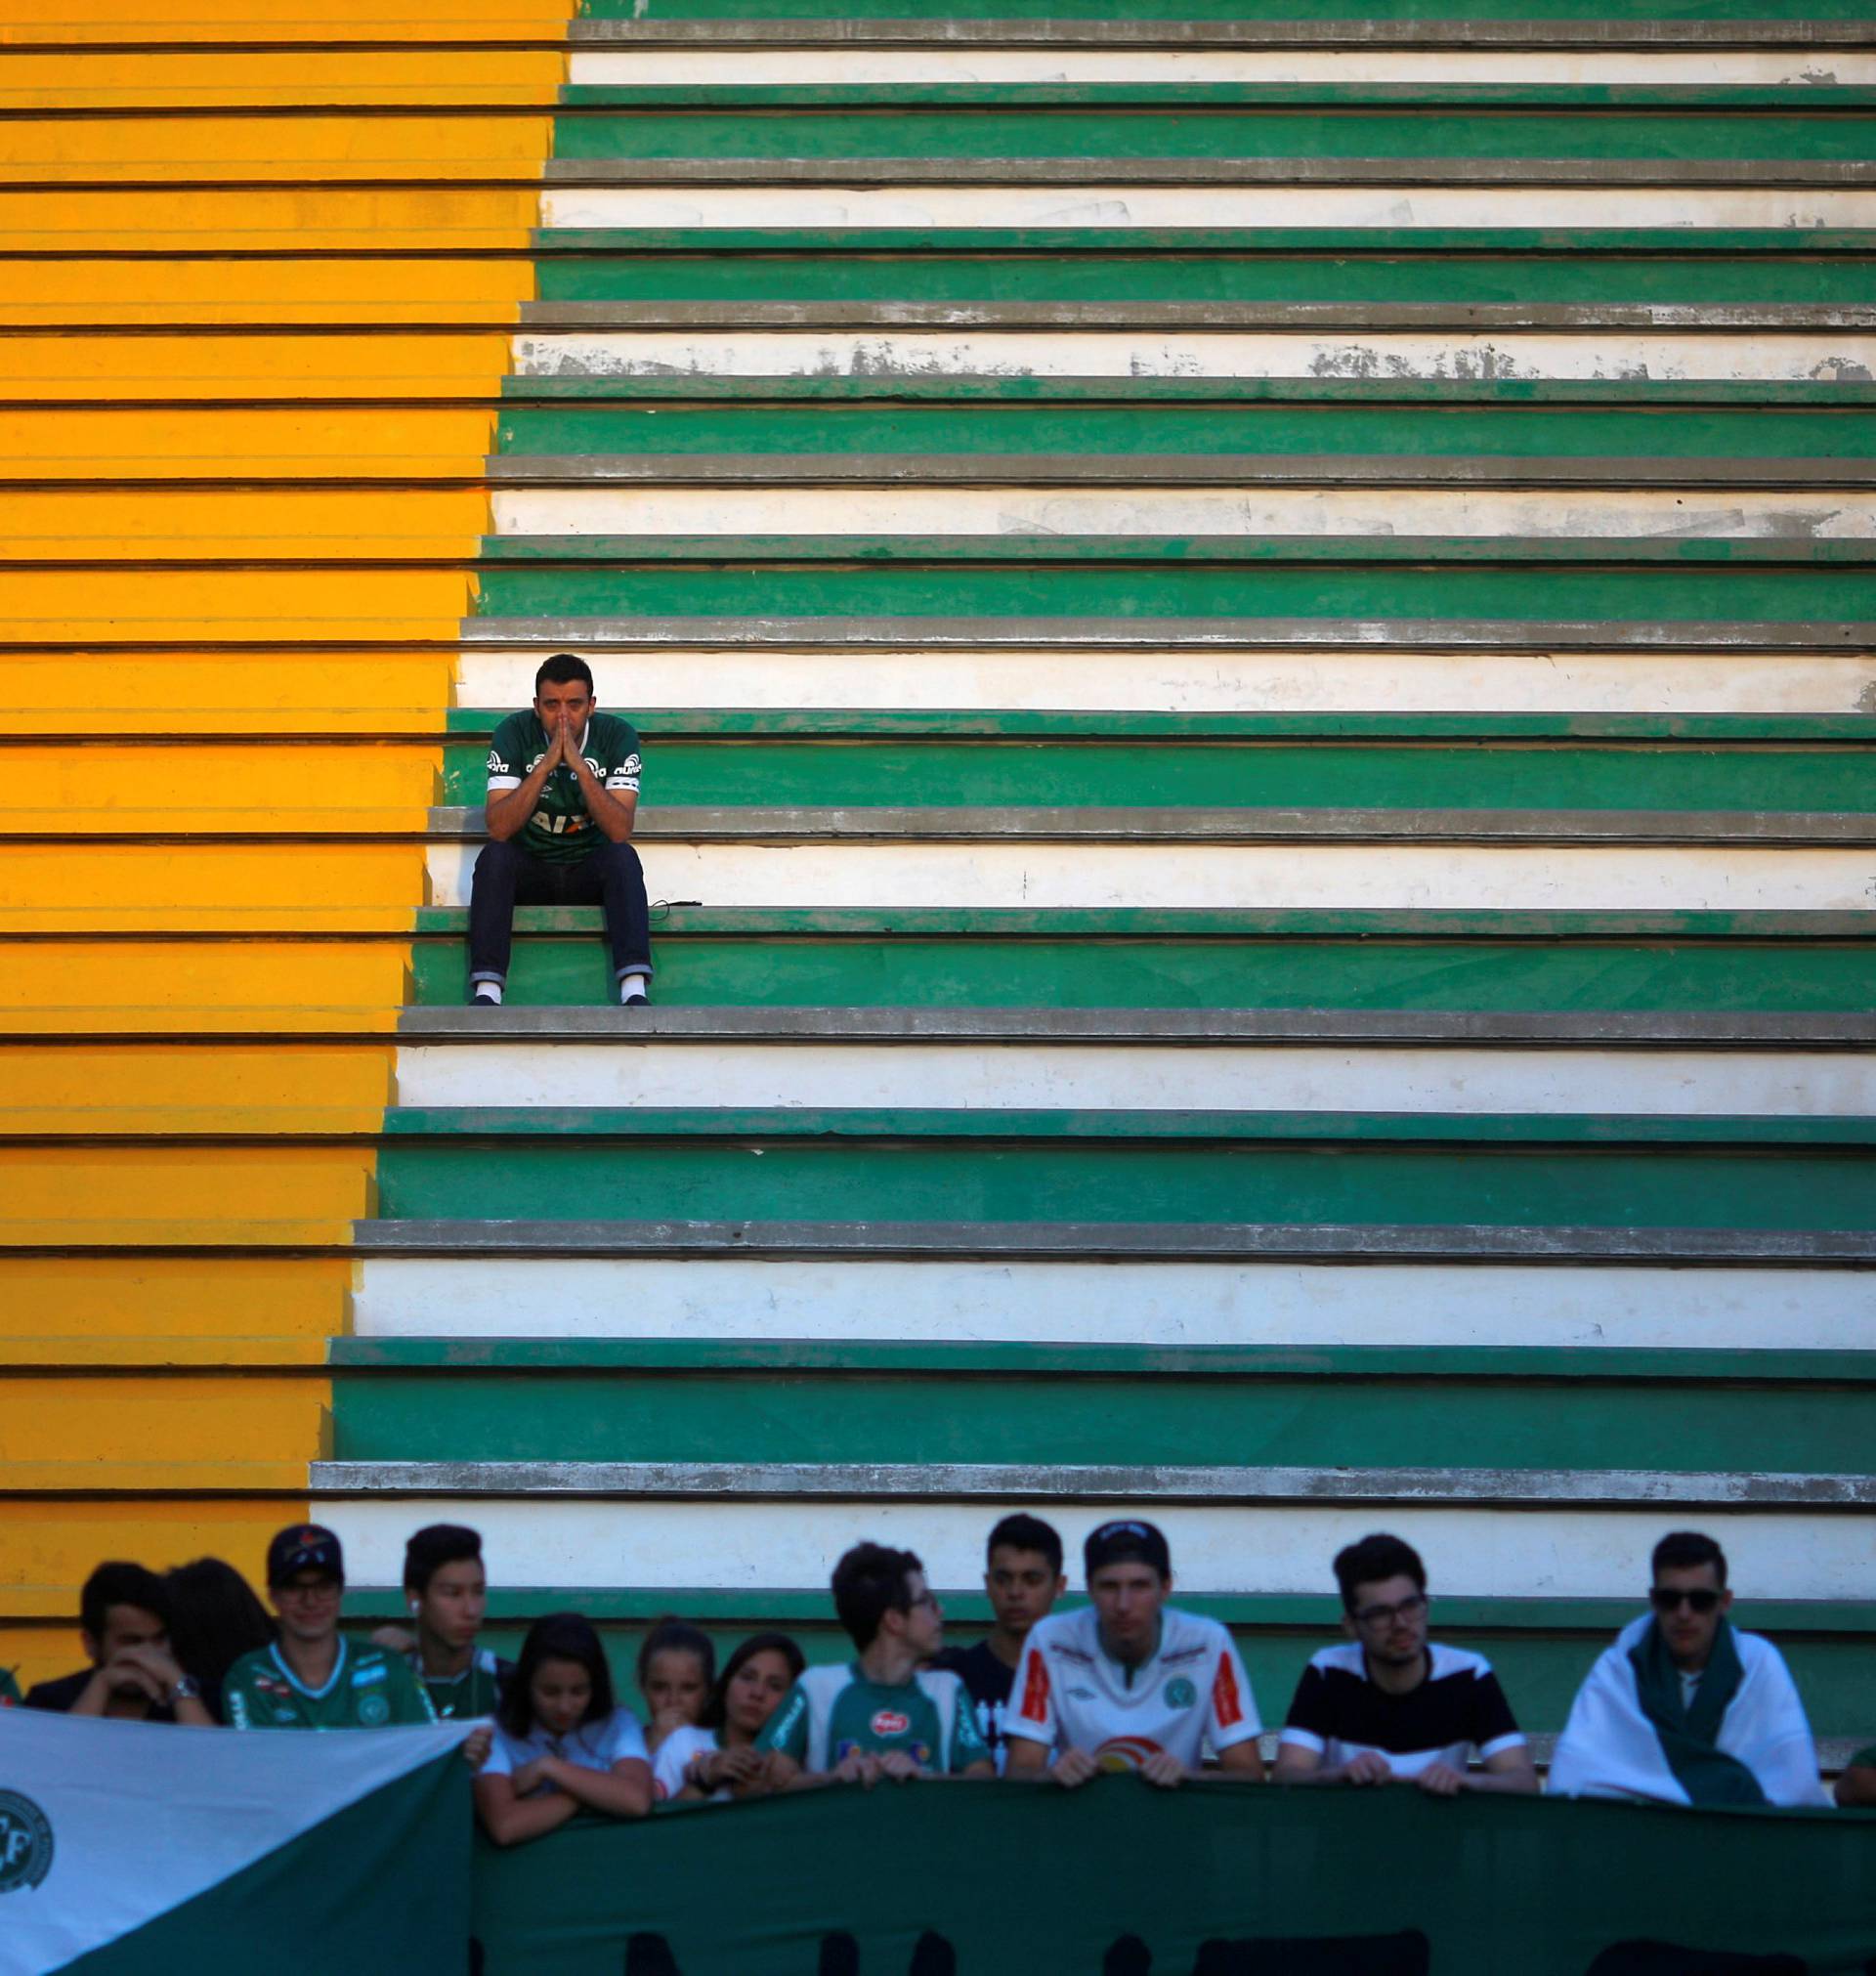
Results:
x,y
1141,1077
1537,877
1117,1303
790,1543
753,203
1184,682
1250,511
1668,353
723,68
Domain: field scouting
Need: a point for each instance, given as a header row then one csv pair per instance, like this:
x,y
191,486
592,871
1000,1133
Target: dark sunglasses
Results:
x,y
1668,1599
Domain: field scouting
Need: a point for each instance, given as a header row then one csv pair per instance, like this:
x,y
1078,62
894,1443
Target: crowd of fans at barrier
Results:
x,y
1684,1707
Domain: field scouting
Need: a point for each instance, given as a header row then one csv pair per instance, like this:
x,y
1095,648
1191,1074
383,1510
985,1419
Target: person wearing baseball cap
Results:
x,y
1129,1681
313,1677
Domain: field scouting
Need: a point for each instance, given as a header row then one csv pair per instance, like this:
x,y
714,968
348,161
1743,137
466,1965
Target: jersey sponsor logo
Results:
x,y
1035,1706
26,1843
374,1711
1227,1705
372,1671
890,1722
1179,1693
496,766
1127,1752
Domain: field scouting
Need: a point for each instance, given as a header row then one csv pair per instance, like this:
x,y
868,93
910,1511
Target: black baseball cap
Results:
x,y
1128,1541
304,1547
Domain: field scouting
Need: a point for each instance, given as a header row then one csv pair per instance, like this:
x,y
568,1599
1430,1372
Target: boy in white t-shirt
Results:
x,y
1129,1681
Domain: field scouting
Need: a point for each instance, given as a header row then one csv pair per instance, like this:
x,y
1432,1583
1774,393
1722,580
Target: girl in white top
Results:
x,y
718,1758
560,1747
676,1671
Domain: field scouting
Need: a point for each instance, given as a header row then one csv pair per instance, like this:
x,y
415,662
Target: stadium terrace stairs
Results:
x,y
1253,629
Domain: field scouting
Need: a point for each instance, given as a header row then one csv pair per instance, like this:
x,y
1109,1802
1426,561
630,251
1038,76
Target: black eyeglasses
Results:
x,y
1377,1616
1671,1598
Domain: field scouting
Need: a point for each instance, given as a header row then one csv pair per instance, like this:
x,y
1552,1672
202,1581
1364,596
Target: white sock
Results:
x,y
488,991
631,988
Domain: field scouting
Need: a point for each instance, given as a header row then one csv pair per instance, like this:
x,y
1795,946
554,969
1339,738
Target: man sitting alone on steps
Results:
x,y
563,791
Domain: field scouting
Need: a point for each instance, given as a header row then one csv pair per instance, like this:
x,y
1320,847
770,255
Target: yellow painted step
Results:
x,y
219,1303
301,605
93,525
271,150
58,888
110,78
379,364
353,441
179,1236
244,781
252,983
29,22
313,1021
269,1420
311,691
96,1079
158,1355
471,289
102,1188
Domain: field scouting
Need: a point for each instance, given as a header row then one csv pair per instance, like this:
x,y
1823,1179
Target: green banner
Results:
x,y
1118,1879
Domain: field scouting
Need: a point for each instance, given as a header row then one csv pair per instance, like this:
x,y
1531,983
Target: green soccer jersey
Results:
x,y
560,828
466,1696
832,1711
368,1688
9,1689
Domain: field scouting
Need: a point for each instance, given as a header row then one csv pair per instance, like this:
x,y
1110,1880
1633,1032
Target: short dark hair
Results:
x,y
214,1618
562,670
870,1582
1023,1532
433,1547
120,1584
1127,1541
559,1636
677,1636
1687,1551
1376,1557
717,1709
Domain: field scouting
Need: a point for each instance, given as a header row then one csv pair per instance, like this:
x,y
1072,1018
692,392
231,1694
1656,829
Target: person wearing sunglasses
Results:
x,y
1387,1706
1684,1708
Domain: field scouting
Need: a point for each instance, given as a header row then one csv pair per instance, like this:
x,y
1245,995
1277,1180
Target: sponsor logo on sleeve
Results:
x,y
1227,1705
26,1843
1035,1706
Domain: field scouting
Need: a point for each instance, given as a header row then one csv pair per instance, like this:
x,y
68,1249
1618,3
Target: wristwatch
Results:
x,y
186,1689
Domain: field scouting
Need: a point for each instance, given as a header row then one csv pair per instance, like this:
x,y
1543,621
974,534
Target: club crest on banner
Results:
x,y
26,1843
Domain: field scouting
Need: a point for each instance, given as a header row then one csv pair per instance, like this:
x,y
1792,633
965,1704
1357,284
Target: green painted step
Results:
x,y
1332,774
943,272
903,388
1049,1417
1038,123
555,1165
1738,436
1095,969
999,578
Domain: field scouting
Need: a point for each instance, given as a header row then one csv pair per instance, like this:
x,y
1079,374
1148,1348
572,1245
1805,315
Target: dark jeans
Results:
x,y
508,876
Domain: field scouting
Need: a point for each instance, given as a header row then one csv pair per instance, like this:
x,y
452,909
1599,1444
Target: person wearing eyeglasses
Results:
x,y
313,1677
1387,1706
885,1715
1684,1708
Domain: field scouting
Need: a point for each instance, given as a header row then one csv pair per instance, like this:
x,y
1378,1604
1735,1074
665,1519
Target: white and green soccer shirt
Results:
x,y
832,1711
560,830
369,1687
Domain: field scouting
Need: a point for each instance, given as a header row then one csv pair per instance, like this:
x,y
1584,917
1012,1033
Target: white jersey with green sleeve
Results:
x,y
832,1711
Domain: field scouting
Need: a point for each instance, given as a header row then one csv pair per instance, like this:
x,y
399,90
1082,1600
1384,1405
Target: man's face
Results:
x,y
451,1609
308,1603
1676,1595
924,1623
1128,1598
1022,1587
1390,1619
566,700
125,1627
